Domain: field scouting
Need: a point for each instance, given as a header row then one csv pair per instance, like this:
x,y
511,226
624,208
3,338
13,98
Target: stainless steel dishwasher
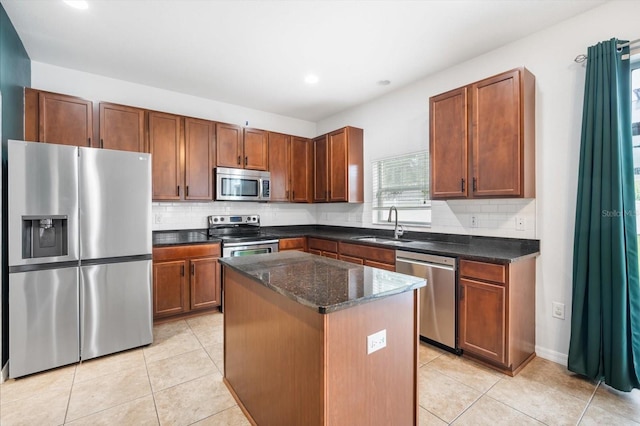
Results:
x,y
438,302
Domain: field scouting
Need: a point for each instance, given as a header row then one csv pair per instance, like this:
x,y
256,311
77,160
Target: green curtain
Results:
x,y
605,320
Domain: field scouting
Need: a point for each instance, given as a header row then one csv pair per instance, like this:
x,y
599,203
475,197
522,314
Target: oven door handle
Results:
x,y
250,243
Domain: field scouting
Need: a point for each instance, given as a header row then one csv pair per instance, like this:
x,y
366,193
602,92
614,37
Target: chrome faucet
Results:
x,y
397,233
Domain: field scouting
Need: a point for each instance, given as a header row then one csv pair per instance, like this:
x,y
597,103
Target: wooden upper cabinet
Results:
x,y
491,123
228,145
56,118
241,148
300,170
339,174
165,145
199,138
320,169
256,149
279,148
497,137
122,128
448,145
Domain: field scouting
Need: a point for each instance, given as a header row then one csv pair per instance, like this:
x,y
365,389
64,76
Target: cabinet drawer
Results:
x,y
380,265
350,259
483,271
182,252
324,245
292,244
367,252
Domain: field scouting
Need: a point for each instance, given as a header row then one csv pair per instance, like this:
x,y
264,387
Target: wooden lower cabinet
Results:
x,y
362,254
287,364
298,243
497,313
185,279
322,247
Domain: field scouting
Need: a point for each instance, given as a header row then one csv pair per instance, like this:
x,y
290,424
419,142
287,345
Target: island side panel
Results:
x,y
378,388
273,354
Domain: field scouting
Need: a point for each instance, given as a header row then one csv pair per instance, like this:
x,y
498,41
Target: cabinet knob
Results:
x,y
101,143
475,185
293,195
193,269
186,191
462,185
89,142
238,160
178,190
246,160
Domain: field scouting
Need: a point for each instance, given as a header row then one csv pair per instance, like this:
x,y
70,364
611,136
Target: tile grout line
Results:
x,y
73,382
153,395
586,407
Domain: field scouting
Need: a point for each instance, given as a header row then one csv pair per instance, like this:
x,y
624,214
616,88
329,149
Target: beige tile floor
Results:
x,y
178,381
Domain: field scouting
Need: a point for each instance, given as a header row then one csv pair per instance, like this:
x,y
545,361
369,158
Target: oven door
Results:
x,y
249,248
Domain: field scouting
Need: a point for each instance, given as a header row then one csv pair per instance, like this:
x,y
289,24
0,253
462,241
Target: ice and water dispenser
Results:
x,y
44,236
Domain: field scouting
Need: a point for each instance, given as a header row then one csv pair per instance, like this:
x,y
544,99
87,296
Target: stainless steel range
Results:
x,y
241,235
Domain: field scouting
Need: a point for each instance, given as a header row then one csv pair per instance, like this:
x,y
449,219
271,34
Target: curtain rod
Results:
x,y
581,58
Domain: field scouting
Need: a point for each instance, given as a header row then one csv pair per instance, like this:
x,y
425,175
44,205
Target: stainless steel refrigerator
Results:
x,y
79,254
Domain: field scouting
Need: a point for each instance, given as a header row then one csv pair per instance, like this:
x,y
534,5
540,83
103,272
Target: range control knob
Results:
x,y
215,219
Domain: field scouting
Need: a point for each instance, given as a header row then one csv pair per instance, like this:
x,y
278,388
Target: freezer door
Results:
x,y
115,203
43,320
115,308
43,182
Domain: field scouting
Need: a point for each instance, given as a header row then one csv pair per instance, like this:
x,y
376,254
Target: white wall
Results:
x,y
398,123
98,88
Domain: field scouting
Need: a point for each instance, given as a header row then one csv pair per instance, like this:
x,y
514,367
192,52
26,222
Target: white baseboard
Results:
x,y
4,373
554,356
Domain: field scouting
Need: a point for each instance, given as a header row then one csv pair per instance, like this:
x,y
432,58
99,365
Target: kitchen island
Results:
x,y
315,341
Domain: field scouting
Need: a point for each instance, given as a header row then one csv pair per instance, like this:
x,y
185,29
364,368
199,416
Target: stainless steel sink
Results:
x,y
382,240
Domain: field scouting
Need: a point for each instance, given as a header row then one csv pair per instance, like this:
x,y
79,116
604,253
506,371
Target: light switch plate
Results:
x,y
376,341
557,310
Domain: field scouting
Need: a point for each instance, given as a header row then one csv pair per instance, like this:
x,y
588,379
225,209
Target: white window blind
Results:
x,y
402,182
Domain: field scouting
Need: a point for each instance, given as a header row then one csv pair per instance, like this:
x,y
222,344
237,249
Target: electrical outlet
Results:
x,y
158,218
557,310
474,221
376,341
519,223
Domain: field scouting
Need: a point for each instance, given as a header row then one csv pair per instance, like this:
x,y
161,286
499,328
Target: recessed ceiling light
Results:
x,y
384,82
77,4
311,79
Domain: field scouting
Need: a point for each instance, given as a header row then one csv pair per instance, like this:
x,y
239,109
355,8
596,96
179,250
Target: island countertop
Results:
x,y
322,284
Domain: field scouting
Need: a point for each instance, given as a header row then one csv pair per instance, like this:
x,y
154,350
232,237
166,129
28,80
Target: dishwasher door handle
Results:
x,y
427,264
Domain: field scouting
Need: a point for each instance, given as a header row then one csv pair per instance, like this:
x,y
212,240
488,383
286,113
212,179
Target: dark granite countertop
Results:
x,y
323,284
182,237
487,249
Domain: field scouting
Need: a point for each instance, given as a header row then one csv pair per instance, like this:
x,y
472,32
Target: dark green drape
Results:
x,y
605,320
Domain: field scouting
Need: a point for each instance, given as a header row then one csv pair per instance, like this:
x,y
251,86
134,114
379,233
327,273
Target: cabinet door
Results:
x,y
496,136
169,288
199,145
121,127
301,169
256,149
448,145
65,120
337,166
164,145
279,166
320,158
205,284
482,319
228,145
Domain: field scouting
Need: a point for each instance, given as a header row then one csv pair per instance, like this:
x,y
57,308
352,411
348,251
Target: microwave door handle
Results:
x,y
260,189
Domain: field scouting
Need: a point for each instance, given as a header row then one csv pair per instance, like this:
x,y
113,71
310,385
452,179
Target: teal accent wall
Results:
x,y
15,75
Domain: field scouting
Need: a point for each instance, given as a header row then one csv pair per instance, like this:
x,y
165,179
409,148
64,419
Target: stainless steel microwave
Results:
x,y
242,185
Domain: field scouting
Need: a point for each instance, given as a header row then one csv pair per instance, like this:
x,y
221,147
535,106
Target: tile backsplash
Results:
x,y
494,218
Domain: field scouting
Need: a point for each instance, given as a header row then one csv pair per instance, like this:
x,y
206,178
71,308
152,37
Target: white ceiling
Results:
x,y
257,53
